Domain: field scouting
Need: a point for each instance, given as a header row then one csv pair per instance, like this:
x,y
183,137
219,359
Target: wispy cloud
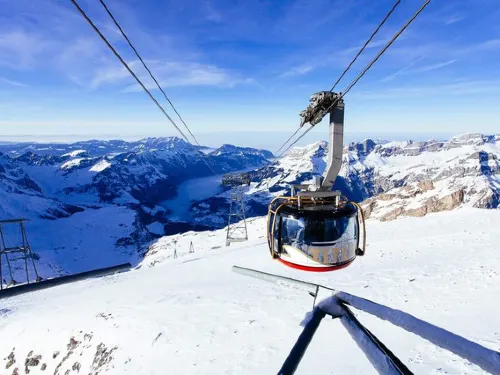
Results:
x,y
453,19
440,65
401,71
12,82
64,43
168,74
20,50
210,12
408,69
297,71
459,88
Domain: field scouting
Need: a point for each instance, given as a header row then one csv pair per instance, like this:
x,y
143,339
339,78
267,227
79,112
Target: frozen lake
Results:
x,y
192,191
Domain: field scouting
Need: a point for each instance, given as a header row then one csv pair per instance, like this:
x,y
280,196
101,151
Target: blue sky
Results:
x,y
246,67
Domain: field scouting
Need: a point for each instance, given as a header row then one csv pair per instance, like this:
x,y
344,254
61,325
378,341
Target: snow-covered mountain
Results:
x,y
415,178
189,313
145,172
192,315
163,186
107,193
392,179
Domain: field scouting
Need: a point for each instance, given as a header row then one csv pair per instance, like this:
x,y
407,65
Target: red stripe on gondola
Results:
x,y
314,268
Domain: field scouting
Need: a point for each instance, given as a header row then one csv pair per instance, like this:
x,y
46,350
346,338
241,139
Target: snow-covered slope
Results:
x,y
192,315
144,172
415,178
397,178
21,196
165,187
392,178
93,204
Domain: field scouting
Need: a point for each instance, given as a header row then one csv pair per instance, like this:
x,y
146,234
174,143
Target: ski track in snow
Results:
x,y
192,315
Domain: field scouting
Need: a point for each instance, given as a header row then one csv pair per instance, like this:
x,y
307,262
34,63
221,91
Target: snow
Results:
x,y
100,166
84,241
71,163
74,153
192,315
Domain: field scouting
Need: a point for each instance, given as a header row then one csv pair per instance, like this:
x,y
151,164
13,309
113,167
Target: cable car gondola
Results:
x,y
315,228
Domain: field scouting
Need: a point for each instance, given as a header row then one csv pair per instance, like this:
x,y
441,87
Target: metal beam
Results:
x,y
300,347
335,145
487,359
25,288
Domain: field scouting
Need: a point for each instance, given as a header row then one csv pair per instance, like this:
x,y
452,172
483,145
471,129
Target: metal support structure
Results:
x,y
335,145
382,359
191,248
9,250
300,347
49,283
321,104
237,224
175,249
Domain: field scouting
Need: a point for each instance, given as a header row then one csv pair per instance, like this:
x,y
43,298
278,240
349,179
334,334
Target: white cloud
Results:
x,y
12,82
210,12
401,71
43,36
458,88
297,71
453,19
20,50
435,66
168,74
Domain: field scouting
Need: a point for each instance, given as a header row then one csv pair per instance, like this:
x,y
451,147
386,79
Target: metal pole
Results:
x,y
1,252
6,256
242,202
31,254
298,284
487,359
383,360
335,144
228,242
300,347
44,284
25,252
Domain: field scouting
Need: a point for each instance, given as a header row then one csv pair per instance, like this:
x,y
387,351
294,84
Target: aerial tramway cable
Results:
x,y
363,72
366,44
118,56
147,68
288,140
351,63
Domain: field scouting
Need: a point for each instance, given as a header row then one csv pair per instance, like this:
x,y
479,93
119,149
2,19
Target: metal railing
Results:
x,y
381,358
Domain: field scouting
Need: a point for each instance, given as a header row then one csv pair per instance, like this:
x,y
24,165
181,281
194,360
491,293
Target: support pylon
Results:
x,y
191,248
237,224
22,248
175,248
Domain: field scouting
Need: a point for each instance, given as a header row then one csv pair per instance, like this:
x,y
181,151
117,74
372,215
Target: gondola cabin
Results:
x,y
315,235
317,229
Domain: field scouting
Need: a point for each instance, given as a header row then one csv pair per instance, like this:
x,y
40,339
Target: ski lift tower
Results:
x,y
237,224
15,252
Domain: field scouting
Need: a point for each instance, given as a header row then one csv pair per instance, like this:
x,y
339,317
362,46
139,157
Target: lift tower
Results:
x,y
237,224
12,251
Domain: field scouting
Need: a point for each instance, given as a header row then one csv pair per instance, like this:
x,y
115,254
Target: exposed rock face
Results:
x,y
390,178
398,178
389,206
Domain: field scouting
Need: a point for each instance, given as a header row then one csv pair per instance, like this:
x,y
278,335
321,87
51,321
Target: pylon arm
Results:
x,y
335,145
322,103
